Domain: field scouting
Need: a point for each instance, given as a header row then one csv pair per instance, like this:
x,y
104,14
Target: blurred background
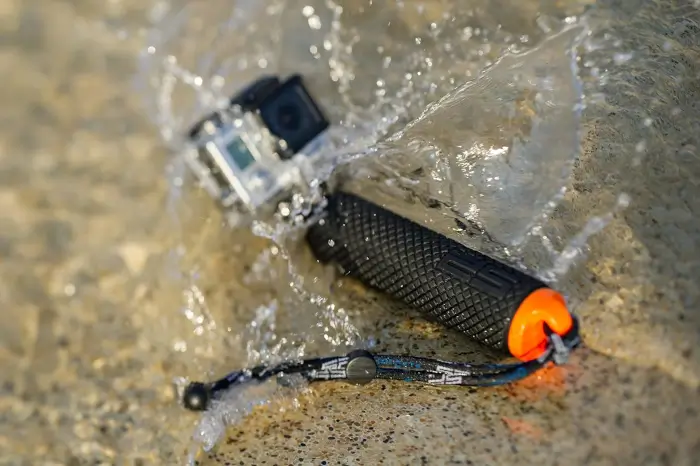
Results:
x,y
118,277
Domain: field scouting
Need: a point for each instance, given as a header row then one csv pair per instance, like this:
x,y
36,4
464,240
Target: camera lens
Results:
x,y
289,117
292,116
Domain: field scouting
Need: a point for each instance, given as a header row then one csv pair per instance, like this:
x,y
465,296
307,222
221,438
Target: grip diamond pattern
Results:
x,y
450,283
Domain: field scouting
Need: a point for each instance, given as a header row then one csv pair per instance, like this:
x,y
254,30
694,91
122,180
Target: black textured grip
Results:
x,y
448,282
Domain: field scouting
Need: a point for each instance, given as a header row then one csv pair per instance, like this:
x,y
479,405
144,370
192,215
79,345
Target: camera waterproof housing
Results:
x,y
251,155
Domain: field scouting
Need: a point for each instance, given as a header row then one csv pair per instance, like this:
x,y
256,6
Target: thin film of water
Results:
x,y
453,109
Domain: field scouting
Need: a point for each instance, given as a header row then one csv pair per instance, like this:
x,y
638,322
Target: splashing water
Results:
x,y
469,118
511,141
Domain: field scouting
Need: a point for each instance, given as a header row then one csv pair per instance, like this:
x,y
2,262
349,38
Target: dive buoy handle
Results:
x,y
491,302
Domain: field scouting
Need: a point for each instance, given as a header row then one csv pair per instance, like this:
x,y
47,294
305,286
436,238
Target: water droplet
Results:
x,y
623,201
315,22
620,58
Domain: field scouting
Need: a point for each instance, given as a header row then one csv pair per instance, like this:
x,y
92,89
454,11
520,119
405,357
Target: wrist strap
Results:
x,y
361,367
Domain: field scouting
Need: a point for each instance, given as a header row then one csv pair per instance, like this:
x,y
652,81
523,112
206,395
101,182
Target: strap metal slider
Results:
x,y
361,368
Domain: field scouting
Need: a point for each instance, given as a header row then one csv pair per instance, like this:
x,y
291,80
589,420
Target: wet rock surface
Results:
x,y
92,312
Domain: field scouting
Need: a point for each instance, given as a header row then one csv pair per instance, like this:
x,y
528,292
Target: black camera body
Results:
x,y
250,155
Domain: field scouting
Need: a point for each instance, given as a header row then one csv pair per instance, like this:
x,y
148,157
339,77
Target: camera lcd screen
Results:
x,y
240,154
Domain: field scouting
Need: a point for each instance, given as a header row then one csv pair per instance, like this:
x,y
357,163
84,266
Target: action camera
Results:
x,y
250,155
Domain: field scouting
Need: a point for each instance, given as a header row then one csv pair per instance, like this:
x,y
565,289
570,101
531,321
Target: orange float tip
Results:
x,y
526,337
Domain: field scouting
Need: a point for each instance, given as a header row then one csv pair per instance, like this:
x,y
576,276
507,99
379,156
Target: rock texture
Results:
x,y
92,286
